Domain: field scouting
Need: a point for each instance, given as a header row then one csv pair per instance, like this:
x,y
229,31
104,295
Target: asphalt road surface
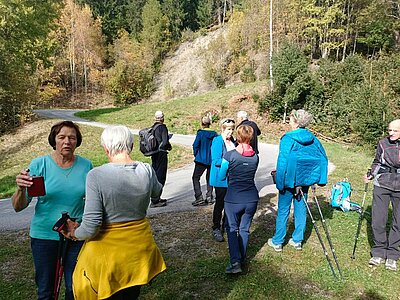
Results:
x,y
178,189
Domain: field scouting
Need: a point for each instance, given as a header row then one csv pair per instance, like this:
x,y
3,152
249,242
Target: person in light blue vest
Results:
x,y
220,145
64,178
302,162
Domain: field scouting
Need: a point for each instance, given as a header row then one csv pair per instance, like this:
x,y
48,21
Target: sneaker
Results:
x,y
218,235
234,268
391,264
376,261
296,246
210,201
277,248
163,200
158,204
199,202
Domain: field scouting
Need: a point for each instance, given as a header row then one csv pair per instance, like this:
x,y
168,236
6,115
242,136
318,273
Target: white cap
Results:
x,y
159,115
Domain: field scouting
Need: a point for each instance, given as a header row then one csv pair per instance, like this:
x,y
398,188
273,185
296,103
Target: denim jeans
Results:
x,y
44,254
238,221
285,199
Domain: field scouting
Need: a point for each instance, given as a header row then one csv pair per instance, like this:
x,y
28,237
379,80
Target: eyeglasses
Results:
x,y
228,121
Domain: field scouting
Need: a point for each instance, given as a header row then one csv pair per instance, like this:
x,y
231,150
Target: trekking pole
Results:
x,y
298,190
62,252
353,255
313,188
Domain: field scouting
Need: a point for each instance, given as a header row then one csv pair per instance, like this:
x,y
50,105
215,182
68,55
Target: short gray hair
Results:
x,y
242,114
302,117
117,139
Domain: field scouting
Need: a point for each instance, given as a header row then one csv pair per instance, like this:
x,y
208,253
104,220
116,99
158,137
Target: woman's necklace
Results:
x,y
70,170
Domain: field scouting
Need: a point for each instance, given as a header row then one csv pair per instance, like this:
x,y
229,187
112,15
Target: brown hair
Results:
x,y
57,128
244,134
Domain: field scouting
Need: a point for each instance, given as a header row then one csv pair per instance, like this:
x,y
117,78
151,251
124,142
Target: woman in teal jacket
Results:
x,y
220,145
302,162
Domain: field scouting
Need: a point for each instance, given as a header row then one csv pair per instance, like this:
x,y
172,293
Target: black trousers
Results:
x,y
159,162
220,193
385,246
197,173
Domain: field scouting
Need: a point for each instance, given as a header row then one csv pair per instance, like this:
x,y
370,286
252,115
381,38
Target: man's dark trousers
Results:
x,y
197,173
159,162
380,206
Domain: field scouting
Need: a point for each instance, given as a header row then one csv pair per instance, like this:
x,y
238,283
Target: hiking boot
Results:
x,y
296,246
218,235
277,248
234,268
391,264
199,202
158,204
376,261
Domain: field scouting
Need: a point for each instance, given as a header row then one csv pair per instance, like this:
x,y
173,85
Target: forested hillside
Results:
x,y
339,59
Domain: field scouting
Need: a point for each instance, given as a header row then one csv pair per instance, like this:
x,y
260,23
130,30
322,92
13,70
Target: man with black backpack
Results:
x,y
159,159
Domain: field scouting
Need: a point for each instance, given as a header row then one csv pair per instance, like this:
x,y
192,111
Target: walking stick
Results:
x,y
62,252
353,255
313,188
299,190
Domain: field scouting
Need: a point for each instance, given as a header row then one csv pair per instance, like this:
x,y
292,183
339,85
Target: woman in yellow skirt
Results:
x,y
120,254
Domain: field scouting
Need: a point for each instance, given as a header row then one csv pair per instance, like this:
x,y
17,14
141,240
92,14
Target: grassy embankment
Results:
x,y
196,263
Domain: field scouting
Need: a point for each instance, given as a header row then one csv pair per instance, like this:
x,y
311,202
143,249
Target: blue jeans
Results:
x,y
44,254
238,221
285,199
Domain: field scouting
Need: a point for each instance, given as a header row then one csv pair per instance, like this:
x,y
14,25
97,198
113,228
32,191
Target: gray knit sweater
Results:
x,y
117,193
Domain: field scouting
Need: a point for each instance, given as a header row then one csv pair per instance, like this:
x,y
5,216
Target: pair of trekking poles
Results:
x,y
299,191
62,252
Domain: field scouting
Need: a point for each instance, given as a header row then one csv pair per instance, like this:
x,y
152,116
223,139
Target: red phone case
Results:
x,y
37,188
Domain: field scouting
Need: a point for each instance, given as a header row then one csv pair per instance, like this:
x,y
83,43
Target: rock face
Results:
x,y
182,73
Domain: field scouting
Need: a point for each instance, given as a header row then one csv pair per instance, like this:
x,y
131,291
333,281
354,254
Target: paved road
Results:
x,y
178,188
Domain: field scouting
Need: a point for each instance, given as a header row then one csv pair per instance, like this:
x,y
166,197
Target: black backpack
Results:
x,y
148,144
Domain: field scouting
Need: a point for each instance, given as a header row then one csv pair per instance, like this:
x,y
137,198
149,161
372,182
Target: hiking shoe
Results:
x,y
163,200
277,248
199,202
296,246
158,204
210,201
376,261
391,264
218,235
234,268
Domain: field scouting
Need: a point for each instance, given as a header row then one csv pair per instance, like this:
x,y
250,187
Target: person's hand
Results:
x,y
367,178
23,180
69,231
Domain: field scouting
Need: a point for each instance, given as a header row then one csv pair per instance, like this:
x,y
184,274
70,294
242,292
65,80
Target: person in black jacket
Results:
x,y
243,119
385,171
159,160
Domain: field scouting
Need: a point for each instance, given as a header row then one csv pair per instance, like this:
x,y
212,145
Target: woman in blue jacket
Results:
x,y
239,166
220,145
302,162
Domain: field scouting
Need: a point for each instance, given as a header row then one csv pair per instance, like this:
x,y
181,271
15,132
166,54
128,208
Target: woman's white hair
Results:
x,y
302,117
117,139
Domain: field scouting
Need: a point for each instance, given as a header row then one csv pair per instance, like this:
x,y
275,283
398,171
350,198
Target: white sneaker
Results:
x,y
277,247
391,264
296,246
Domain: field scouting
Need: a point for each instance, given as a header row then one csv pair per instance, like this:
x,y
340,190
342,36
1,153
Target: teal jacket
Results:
x,y
218,149
302,160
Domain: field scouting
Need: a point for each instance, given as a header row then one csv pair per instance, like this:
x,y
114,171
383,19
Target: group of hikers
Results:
x,y
109,251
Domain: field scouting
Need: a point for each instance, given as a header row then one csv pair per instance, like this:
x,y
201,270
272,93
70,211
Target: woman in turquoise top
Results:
x,y
64,177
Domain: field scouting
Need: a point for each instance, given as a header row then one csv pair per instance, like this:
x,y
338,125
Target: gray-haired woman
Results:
x,y
119,241
302,162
